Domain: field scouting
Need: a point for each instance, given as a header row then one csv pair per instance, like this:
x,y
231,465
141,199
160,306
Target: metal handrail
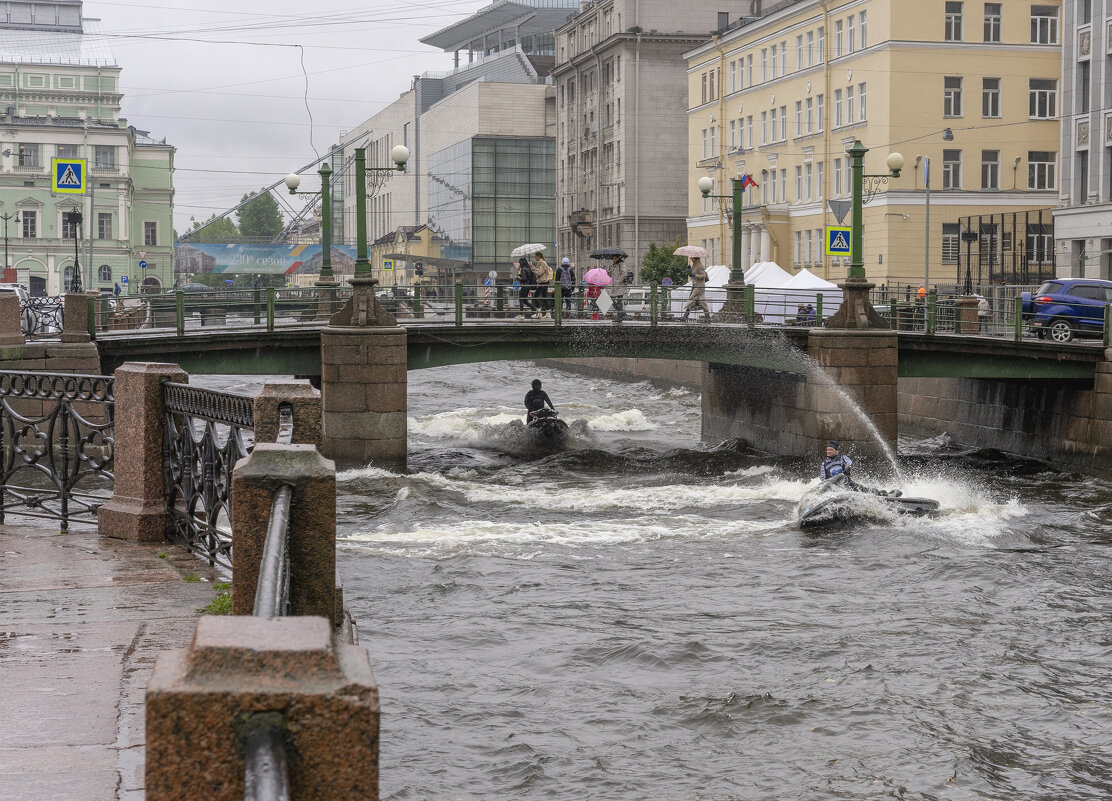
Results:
x,y
266,768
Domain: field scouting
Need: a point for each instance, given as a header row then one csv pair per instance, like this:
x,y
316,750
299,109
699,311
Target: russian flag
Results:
x,y
747,181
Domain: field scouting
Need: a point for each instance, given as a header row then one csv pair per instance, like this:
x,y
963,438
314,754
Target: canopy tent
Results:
x,y
777,293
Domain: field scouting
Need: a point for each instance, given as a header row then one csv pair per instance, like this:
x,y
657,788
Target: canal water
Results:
x,y
640,617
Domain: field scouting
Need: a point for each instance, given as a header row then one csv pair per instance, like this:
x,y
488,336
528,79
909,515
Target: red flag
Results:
x,y
747,181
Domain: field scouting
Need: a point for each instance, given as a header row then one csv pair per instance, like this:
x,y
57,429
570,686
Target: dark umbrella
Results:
x,y
608,253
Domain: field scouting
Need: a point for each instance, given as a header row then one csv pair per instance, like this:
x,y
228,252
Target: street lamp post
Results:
x,y
856,310
399,155
73,218
734,307
292,182
6,218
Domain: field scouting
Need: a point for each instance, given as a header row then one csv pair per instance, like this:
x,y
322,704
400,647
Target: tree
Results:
x,y
260,216
659,263
214,230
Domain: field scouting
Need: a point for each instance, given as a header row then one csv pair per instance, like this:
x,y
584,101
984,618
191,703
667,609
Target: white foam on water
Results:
x,y
751,472
629,420
503,537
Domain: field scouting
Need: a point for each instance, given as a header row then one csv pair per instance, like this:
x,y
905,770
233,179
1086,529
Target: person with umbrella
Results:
x,y
596,279
544,280
698,298
622,276
527,280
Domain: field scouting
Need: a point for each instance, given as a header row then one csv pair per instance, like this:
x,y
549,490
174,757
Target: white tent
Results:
x,y
717,277
804,288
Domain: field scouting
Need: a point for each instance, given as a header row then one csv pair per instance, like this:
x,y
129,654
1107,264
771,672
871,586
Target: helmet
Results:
x,y
536,383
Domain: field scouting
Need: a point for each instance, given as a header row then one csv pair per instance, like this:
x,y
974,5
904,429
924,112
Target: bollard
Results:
x,y
932,310
1018,309
417,301
459,303
749,302
653,311
179,309
558,303
257,298
818,309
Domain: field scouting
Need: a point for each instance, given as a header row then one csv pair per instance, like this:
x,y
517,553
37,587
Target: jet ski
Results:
x,y
838,500
547,429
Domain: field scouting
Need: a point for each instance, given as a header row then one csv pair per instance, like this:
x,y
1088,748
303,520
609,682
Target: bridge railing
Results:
x,y
180,310
42,317
57,443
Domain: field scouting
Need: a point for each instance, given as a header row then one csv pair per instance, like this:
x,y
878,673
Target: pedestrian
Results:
x,y
698,297
544,284
565,274
593,291
527,281
622,277
984,313
116,289
809,313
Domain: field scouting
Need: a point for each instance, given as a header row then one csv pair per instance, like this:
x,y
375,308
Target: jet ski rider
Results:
x,y
837,465
535,399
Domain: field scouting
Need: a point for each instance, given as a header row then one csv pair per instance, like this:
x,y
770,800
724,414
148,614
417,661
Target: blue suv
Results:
x,y
1068,307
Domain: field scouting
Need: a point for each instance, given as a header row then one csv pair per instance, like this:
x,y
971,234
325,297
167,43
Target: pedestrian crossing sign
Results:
x,y
837,240
68,176
388,264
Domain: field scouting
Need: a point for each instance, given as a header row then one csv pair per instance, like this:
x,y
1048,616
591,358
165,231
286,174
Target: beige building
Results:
x,y
969,87
621,101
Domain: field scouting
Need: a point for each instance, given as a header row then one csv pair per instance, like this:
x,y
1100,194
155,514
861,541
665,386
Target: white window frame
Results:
x,y
1041,173
147,240
863,27
990,98
951,170
1044,26
862,116
993,22
838,108
951,96
799,118
955,11
837,38
990,170
1042,100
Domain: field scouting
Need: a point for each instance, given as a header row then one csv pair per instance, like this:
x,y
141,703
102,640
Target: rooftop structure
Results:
x,y
527,24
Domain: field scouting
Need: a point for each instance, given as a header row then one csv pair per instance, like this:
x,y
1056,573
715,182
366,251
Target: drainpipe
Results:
x,y
720,138
637,149
825,130
598,136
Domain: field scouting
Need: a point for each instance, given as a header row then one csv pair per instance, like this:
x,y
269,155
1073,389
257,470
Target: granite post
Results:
x,y
138,508
363,381
312,531
306,412
293,673
11,320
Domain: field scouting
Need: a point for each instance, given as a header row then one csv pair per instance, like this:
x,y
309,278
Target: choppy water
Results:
x,y
640,617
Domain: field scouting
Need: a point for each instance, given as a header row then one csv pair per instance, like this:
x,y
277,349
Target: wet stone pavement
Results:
x,y
82,620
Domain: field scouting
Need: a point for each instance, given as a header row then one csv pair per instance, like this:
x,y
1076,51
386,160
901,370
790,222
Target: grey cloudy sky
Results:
x,y
224,82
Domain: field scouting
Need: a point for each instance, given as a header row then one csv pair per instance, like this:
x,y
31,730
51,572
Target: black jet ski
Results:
x,y
838,500
547,429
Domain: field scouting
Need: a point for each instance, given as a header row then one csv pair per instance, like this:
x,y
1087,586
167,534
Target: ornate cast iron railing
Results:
x,y
42,317
207,432
57,437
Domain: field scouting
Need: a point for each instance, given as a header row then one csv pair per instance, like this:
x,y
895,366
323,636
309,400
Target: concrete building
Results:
x,y
60,98
1083,219
970,88
481,174
621,101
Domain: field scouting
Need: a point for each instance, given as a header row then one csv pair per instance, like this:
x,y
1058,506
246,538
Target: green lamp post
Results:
x,y
734,307
292,182
399,155
856,311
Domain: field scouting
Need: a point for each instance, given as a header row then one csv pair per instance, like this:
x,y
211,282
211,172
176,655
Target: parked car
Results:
x,y
1067,307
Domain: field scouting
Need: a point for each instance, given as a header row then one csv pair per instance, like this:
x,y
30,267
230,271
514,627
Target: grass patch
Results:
x,y
192,578
163,555
221,604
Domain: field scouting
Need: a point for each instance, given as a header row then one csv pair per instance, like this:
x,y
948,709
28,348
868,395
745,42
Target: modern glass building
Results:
x,y
488,195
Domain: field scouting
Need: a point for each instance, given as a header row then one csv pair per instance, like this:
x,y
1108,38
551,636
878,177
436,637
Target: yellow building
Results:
x,y
971,88
402,250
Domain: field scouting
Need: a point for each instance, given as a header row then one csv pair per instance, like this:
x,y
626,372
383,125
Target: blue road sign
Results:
x,y
837,240
667,281
123,279
142,264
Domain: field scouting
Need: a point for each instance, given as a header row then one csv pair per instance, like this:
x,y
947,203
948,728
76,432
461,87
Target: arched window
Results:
x,y
104,273
67,275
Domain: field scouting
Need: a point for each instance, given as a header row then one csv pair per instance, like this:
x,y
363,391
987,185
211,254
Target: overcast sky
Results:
x,y
227,87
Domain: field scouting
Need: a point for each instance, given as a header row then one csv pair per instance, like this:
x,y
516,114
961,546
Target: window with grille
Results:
x,y
951,243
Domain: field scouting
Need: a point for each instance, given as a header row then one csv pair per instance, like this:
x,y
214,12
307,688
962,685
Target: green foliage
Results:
x,y
192,578
221,604
659,263
222,230
261,216
163,555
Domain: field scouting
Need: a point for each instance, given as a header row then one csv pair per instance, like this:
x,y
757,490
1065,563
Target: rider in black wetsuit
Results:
x,y
535,399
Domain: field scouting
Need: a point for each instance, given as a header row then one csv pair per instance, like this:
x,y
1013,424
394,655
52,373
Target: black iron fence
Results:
x,y
57,438
42,317
206,433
